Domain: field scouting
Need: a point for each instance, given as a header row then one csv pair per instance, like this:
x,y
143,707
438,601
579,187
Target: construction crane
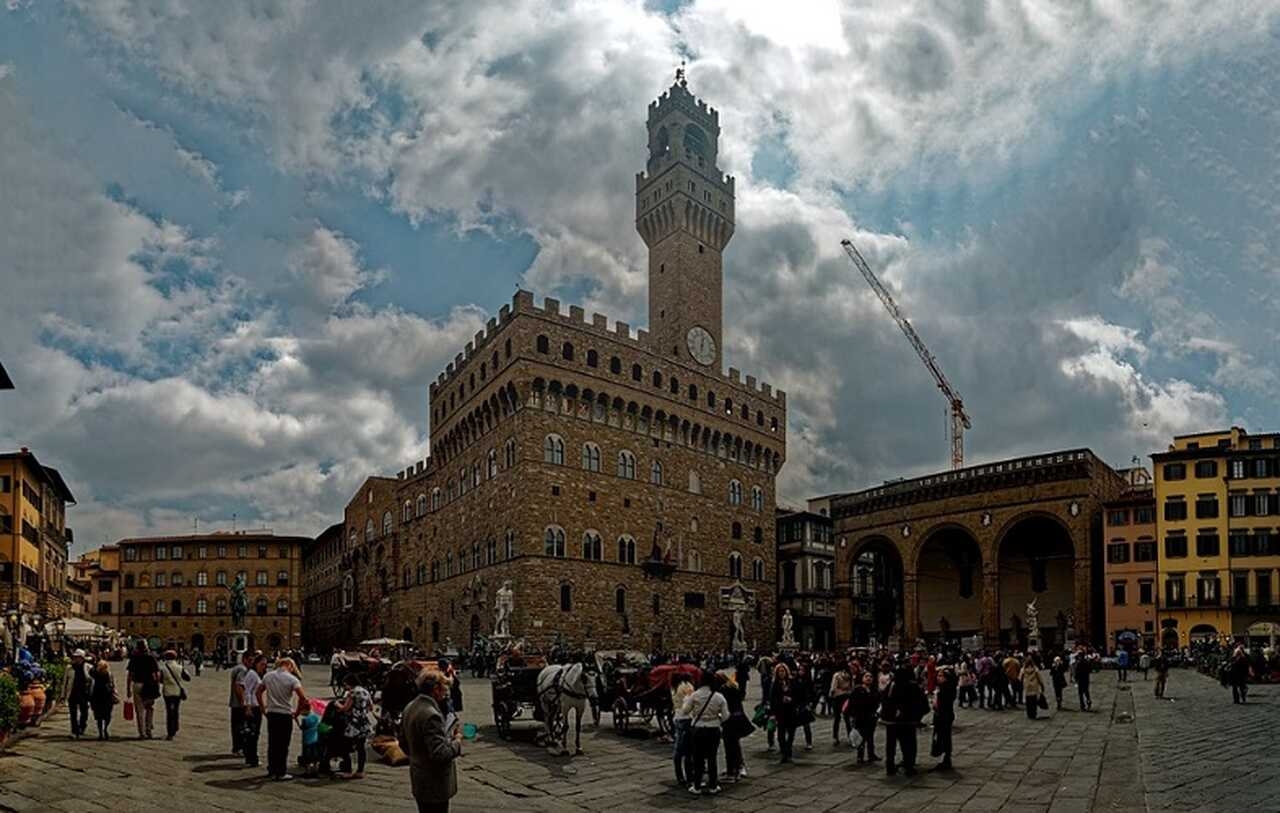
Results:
x,y
959,419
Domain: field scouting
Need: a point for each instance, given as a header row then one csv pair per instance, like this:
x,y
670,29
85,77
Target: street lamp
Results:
x,y
60,627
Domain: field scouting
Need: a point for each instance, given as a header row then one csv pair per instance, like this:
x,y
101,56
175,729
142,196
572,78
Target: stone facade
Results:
x,y
962,553
175,589
566,450
324,622
806,576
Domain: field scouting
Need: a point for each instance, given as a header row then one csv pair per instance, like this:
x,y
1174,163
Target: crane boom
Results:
x,y
959,418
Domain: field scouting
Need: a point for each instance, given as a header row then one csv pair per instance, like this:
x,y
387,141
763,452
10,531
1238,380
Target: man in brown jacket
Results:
x,y
431,749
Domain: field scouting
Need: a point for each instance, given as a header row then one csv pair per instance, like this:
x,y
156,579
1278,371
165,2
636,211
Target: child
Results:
x,y
312,752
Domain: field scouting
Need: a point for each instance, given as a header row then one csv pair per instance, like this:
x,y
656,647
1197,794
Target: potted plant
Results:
x,y
31,699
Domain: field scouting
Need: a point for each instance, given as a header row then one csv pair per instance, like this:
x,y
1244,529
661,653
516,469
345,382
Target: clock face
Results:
x,y
701,346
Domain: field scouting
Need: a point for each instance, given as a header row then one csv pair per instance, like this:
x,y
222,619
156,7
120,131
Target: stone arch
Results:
x,y
1034,556
876,589
948,566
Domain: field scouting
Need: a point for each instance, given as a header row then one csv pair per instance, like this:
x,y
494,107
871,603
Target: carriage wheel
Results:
x,y
620,715
646,715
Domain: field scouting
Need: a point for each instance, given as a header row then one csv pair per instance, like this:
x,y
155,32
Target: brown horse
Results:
x,y
400,688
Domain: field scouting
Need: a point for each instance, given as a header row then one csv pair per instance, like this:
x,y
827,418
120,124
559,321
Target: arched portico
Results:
x,y
1036,561
876,590
949,583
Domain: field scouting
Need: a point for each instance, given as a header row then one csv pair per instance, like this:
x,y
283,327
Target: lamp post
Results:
x,y
60,628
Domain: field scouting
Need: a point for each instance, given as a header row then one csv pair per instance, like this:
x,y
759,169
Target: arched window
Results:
x,y
695,561
626,550
544,345
757,498
176,609
620,600
757,535
260,606
462,481
202,606
593,360
637,374
475,474
735,492
711,399
626,465
509,545
695,482
220,606
475,556
737,530
437,498
493,463
657,378
554,542
592,549
386,523
553,450
368,530
735,566
406,513
566,351
566,597
693,392
282,606
160,606
615,365
510,453
162,580
655,473
202,578
422,504
674,385
448,564
590,457
491,547
757,569
348,592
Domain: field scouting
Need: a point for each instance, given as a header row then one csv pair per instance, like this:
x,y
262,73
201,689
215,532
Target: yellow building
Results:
x,y
34,537
100,569
1217,503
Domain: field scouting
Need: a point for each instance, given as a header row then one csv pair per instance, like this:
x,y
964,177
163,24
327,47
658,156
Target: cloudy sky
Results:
x,y
237,240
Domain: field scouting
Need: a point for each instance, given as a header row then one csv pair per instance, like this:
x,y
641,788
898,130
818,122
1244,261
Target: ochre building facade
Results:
x,y
963,553
175,590
622,482
34,538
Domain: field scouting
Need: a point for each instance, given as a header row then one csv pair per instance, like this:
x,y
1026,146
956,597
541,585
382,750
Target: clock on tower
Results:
x,y
684,213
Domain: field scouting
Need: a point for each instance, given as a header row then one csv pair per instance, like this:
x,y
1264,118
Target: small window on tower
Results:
x,y
700,248
662,267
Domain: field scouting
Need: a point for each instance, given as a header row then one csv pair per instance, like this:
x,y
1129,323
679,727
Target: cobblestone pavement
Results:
x,y
1132,752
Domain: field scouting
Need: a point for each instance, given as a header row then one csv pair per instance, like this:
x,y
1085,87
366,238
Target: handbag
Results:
x,y
128,710
804,715
1043,702
935,748
737,726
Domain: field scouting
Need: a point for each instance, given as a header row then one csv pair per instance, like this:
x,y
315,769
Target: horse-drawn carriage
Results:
x,y
515,690
632,690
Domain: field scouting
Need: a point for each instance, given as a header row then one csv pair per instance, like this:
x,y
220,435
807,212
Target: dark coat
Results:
x,y
862,706
904,702
431,751
782,702
945,702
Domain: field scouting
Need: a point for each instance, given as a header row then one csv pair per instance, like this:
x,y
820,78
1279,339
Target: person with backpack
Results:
x,y
142,684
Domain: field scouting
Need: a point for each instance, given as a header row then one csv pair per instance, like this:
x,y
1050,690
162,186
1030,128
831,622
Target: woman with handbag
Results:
x,y
1032,688
805,700
734,729
708,710
171,676
103,698
944,716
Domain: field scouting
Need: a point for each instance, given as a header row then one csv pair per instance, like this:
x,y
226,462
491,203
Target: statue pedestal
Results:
x,y
788,647
238,642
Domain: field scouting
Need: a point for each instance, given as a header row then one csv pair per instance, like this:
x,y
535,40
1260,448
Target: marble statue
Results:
x,y
739,638
788,629
503,606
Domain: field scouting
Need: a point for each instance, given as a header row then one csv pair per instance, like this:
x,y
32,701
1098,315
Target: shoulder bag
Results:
x,y
182,693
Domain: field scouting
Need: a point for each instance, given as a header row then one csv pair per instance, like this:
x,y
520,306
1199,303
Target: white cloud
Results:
x,y
326,268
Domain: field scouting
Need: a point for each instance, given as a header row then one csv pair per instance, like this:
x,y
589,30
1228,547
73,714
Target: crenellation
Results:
x,y
735,375
622,329
466,353
577,315
551,306
642,336
751,383
600,322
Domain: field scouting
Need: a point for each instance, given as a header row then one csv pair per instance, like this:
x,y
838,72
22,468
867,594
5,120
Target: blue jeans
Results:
x,y
682,752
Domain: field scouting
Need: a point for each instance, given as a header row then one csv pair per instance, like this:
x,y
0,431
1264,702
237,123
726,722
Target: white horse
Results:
x,y
563,688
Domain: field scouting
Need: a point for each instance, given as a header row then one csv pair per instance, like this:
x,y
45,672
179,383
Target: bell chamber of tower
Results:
x,y
684,214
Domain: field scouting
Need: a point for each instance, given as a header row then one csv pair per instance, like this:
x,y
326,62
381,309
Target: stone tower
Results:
x,y
684,213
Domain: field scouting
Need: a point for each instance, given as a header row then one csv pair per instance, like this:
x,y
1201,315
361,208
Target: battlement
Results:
x,y
599,325
678,97
726,181
420,469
